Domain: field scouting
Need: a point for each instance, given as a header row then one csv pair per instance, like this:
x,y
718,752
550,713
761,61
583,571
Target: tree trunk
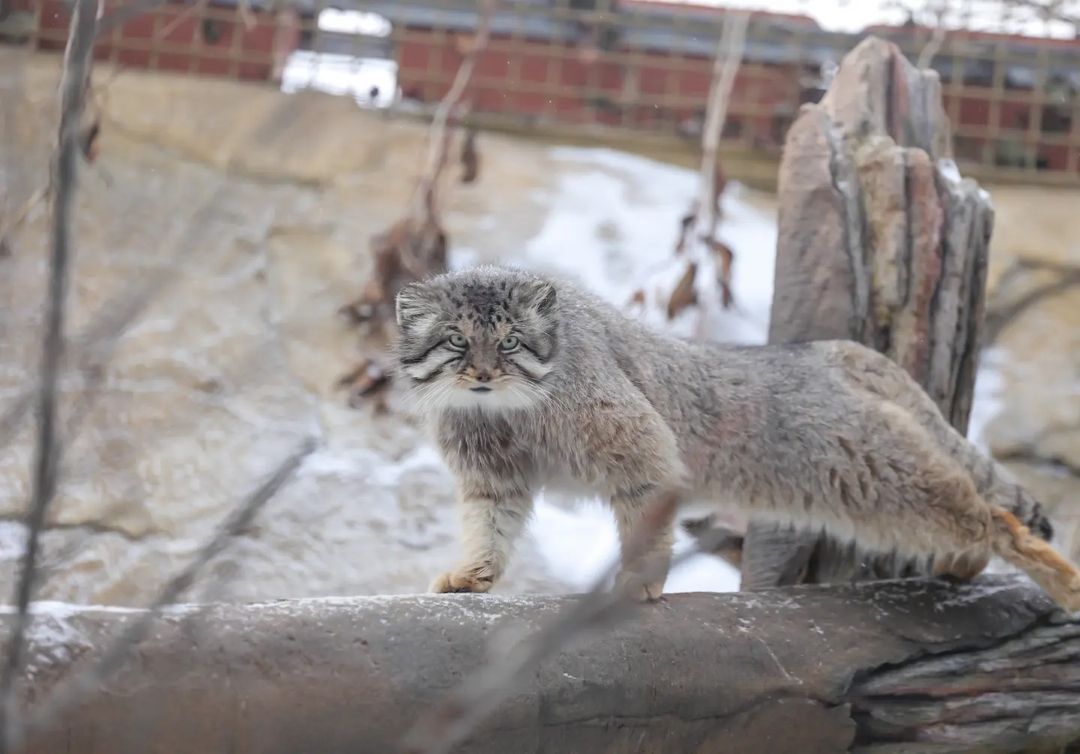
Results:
x,y
880,242
890,667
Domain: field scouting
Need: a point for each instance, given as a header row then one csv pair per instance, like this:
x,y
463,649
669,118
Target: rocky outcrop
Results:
x,y
882,242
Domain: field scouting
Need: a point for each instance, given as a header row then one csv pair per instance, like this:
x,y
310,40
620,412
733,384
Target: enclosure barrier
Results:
x,y
625,68
983,667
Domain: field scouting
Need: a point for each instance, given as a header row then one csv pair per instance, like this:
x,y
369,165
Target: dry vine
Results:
x,y
704,251
697,250
415,246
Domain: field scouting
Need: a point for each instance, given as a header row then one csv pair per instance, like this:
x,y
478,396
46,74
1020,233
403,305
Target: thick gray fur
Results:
x,y
827,436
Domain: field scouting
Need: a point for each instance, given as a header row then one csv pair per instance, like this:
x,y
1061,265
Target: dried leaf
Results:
x,y
366,380
470,158
686,224
718,186
684,294
403,253
724,258
88,139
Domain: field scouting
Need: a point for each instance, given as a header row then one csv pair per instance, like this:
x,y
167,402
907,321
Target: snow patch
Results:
x,y
987,401
612,223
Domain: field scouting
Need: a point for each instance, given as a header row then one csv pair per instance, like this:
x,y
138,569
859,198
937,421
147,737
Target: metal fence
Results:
x,y
603,67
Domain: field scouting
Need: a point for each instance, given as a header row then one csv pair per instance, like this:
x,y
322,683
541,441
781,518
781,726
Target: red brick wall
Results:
x,y
169,39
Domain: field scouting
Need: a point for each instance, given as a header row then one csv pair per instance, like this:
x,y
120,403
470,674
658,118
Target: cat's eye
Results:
x,y
459,341
509,343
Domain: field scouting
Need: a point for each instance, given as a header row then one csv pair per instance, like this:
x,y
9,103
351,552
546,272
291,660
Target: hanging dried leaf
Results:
x,y
684,294
724,257
470,158
415,247
719,183
686,224
88,139
405,252
368,378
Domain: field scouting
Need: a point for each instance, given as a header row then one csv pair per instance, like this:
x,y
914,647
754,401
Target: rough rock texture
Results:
x,y
894,667
880,241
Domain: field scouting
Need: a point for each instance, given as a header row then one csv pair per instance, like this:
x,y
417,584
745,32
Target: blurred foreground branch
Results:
x,y
47,448
46,712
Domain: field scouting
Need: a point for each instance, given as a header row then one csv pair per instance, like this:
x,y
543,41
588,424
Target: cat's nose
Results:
x,y
483,375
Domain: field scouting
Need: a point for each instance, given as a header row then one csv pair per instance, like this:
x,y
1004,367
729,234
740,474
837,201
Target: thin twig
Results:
x,y
459,712
438,138
933,46
699,224
197,8
76,75
45,713
729,53
247,16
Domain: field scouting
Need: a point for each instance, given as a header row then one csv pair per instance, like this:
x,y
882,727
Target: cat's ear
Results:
x,y
414,302
542,297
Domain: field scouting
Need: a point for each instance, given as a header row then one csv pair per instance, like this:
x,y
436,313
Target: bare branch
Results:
x,y
247,16
729,53
438,139
76,75
197,9
937,38
240,519
697,229
932,47
1053,10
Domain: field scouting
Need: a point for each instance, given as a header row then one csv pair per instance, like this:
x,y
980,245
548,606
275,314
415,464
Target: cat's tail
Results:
x,y
1017,501
1017,545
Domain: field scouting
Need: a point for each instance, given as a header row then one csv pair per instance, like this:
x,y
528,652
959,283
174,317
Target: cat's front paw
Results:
x,y
633,585
463,580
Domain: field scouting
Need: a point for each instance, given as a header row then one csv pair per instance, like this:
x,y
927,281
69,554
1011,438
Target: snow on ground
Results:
x,y
612,224
987,401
